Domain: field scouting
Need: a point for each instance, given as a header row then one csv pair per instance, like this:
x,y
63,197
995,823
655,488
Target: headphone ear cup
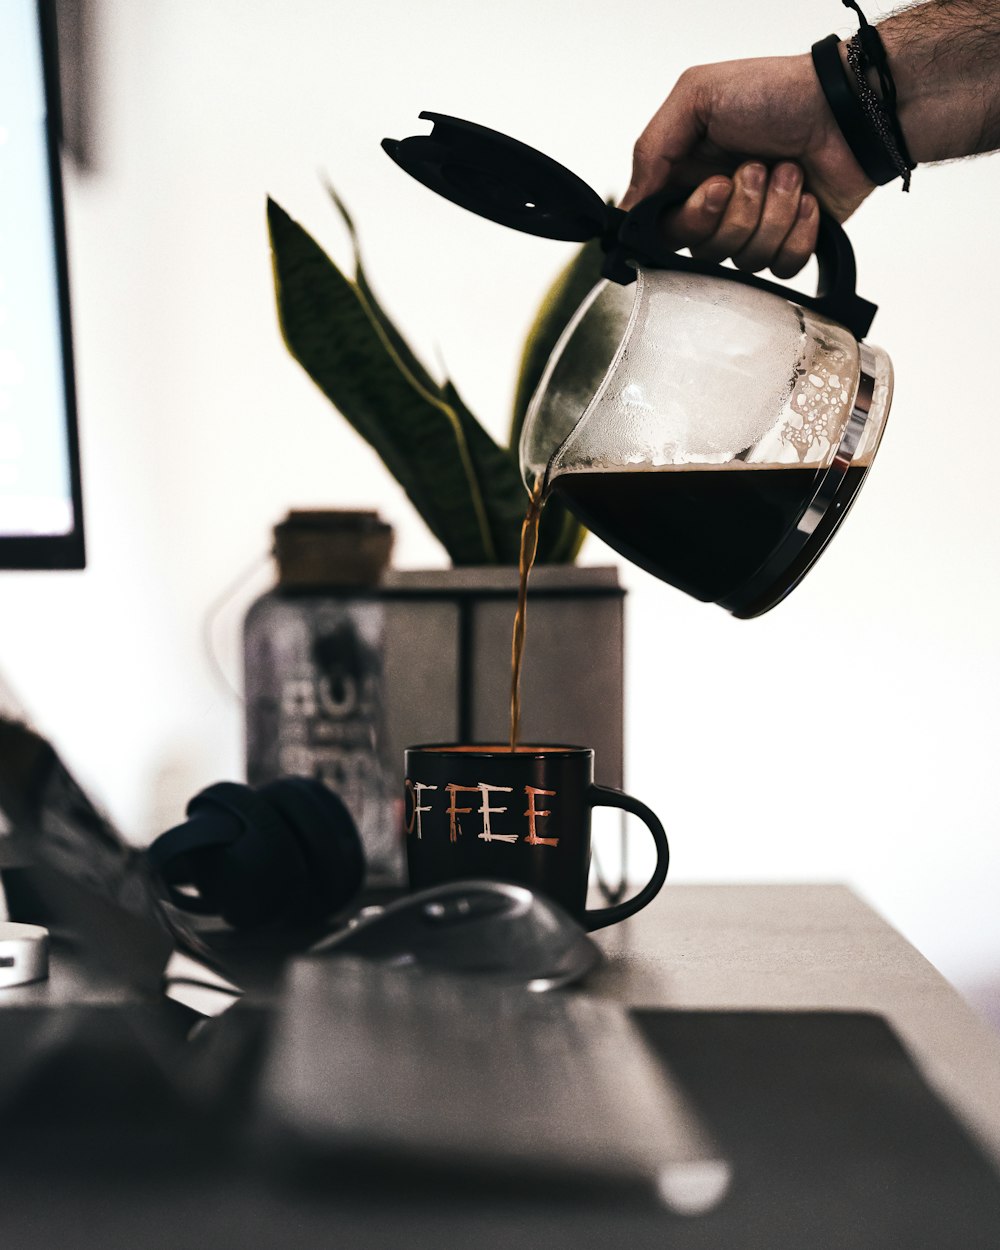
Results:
x,y
261,869
328,840
289,852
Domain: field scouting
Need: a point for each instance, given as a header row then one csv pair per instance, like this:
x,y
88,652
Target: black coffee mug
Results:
x,y
523,816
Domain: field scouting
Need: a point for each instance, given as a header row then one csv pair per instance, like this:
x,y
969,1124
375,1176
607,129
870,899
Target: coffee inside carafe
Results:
x,y
704,530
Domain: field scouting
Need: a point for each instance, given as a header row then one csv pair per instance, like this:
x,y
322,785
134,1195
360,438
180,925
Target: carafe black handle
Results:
x,y
638,238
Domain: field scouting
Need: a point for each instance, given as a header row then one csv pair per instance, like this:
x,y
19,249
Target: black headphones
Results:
x,y
287,852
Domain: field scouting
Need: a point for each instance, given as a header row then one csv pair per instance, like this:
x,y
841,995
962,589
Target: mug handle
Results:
x,y
598,917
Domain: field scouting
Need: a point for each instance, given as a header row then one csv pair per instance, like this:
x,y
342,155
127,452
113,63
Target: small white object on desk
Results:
x,y
24,953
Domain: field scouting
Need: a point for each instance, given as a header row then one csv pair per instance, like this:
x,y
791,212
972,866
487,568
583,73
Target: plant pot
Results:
x,y
340,681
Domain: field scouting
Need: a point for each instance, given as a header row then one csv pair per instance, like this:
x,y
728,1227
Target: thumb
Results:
x,y
642,183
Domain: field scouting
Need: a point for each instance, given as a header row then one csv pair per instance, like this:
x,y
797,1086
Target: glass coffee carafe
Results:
x,y
711,426
711,432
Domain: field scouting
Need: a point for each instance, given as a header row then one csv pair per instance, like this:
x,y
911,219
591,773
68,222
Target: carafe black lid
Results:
x,y
506,181
503,180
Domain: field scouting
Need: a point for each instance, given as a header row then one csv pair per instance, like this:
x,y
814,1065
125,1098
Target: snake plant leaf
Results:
x,y
504,494
330,331
562,300
560,534
411,362
505,497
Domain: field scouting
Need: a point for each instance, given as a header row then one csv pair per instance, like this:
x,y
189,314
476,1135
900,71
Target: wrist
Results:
x,y
868,128
915,102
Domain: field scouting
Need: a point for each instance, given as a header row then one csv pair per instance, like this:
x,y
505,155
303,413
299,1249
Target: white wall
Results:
x,y
849,735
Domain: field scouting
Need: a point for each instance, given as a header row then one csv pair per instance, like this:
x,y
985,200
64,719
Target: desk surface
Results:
x,y
802,947
751,948
758,947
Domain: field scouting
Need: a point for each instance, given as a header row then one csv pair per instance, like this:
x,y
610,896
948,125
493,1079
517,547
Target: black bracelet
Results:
x,y
885,124
867,51
873,50
860,135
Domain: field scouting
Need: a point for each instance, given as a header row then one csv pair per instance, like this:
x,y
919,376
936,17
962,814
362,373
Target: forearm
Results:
x,y
945,59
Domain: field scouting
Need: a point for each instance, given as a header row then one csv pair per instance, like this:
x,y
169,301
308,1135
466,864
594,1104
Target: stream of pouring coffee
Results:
x,y
529,548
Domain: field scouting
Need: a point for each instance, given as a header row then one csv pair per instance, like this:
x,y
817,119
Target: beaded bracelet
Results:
x,y
869,125
884,122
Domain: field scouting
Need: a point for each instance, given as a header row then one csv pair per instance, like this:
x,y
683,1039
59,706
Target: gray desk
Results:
x,y
756,947
803,947
697,951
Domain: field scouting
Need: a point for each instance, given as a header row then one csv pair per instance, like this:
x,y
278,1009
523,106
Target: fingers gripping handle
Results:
x,y
603,796
637,237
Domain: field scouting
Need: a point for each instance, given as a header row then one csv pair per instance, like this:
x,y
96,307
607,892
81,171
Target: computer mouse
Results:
x,y
492,929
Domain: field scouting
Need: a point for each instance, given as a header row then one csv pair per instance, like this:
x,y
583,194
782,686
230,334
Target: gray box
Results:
x,y
447,659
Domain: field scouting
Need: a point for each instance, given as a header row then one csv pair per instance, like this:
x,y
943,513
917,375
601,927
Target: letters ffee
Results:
x,y
416,790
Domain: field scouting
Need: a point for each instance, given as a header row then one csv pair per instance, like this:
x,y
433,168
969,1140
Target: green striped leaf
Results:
x,y
504,495
409,359
332,332
564,297
560,535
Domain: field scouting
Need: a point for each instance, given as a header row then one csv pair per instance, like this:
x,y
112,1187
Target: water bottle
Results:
x,y
314,663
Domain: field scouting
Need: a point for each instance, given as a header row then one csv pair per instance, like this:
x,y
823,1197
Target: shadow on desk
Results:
x,y
111,1139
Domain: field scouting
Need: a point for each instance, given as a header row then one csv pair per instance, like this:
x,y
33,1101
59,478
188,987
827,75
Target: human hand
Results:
x,y
763,212
760,218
